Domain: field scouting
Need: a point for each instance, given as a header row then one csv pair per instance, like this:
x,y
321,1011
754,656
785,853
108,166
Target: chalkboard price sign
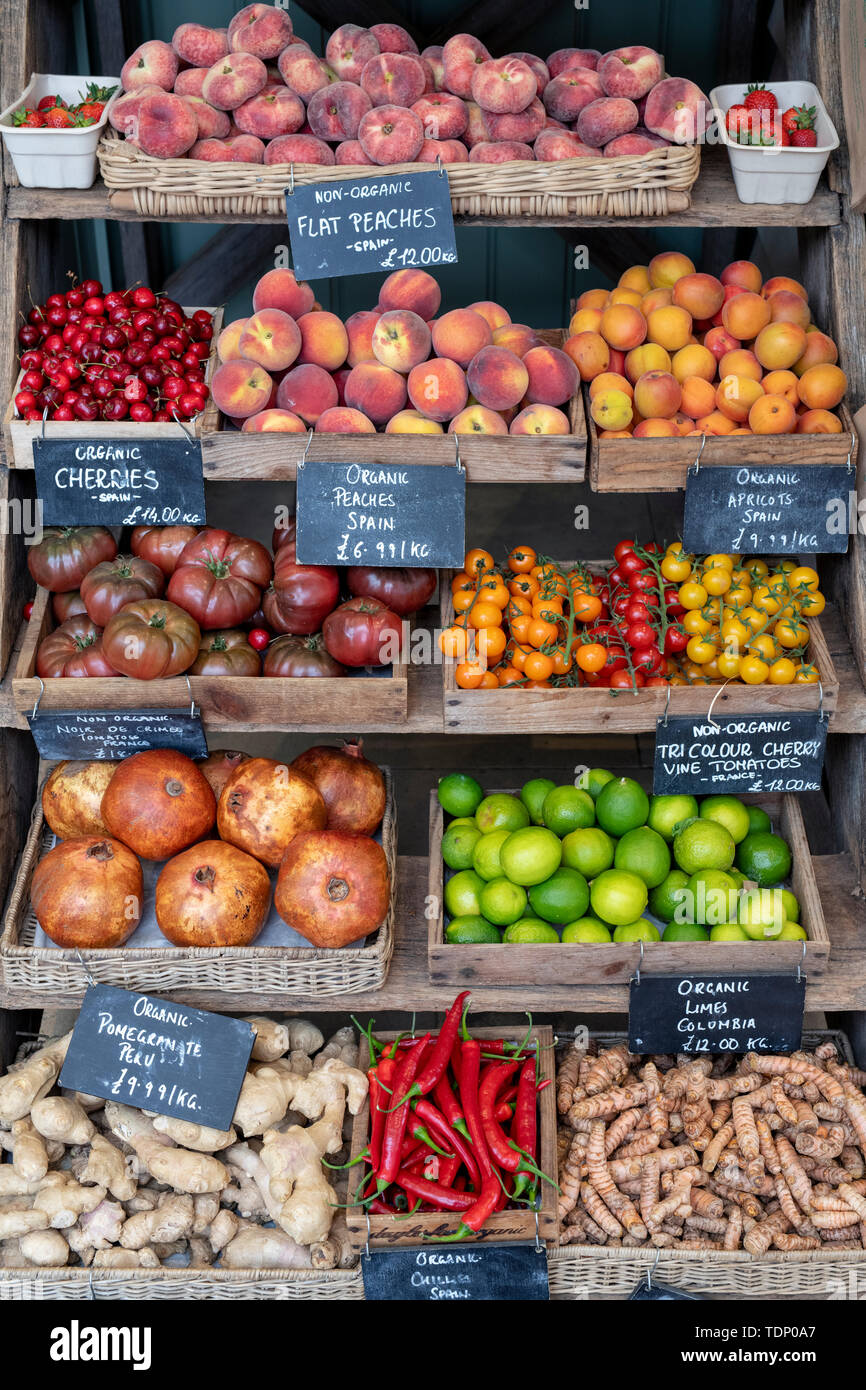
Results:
x,y
381,223
115,733
372,514
156,1055
767,510
652,1291
120,482
703,1014
477,1273
735,753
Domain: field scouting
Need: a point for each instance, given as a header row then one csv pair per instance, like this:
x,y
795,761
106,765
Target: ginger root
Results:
x,y
25,1083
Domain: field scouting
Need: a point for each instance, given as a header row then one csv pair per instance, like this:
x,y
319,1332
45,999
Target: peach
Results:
x,y
623,326
499,152
553,375
433,55
349,49
443,116
438,389
606,118
153,63
636,142
271,338
167,125
589,352
735,396
540,419
342,420
678,110
819,422
412,422
391,135
324,340
461,56
307,391
503,85
553,145
460,334
264,30
745,274
478,419
657,395
359,332
523,126
780,344
585,321
782,383
350,152
376,390
335,112
702,295
394,79
303,72
233,80
239,149
772,415
607,381
656,428
670,326
411,289
630,72
340,377
745,315
274,422
393,38
694,360
783,282
719,341
538,66
188,83
279,289
699,397
740,362
649,357
496,316
823,386
819,348
211,124
498,378
668,267
298,149
656,299
273,112
400,340
449,151
198,45
241,388
787,307
611,410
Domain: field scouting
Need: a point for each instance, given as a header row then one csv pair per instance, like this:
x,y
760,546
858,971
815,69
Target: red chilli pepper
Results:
x,y
448,1170
494,1136
395,1121
448,1103
524,1130
434,1067
440,1126
443,1198
457,1060
379,1077
482,1207
469,1098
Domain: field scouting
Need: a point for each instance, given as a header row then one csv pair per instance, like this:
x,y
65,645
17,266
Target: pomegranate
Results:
x,y
264,805
333,888
72,798
218,767
352,788
86,893
158,802
212,895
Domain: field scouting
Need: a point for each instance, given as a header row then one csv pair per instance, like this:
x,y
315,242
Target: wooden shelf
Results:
x,y
714,204
408,987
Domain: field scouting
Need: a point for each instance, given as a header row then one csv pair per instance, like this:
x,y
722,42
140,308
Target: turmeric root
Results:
x,y
566,1078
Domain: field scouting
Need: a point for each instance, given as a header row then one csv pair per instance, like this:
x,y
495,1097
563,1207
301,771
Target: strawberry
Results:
x,y
803,134
740,124
58,118
48,103
804,139
758,98
28,118
89,112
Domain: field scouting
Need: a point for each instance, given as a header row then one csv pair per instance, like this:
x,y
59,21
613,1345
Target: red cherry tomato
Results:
x,y
657,681
632,564
675,641
647,659
28,609
623,548
622,680
636,611
642,582
615,577
640,635
258,638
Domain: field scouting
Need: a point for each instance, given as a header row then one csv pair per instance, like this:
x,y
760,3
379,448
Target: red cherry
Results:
x,y
112,358
32,381
36,315
86,410
103,388
174,344
143,318
24,401
160,353
115,409
140,412
33,414
114,300
55,301
63,412
202,316
76,315
117,374
61,381
189,405
28,335
57,315
143,297
134,389
258,638
94,304
69,332
151,373
173,387
70,397
74,298
90,288
32,359
162,416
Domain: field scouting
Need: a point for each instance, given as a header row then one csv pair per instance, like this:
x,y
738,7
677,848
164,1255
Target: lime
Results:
x,y
758,819
791,906
459,794
594,780
685,931
590,850
711,898
644,853
667,812
739,879
531,855
666,899
531,931
618,897
761,914
764,857
792,931
587,929
561,898
471,931
622,805
463,893
729,812
568,808
704,844
501,811
532,795
502,902
462,820
641,930
458,843
728,931
485,854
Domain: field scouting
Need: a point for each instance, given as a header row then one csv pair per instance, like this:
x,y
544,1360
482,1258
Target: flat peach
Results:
x,y
477,419
261,29
772,415
566,96
412,422
521,126
274,422
233,80
335,112
393,38
499,152
462,55
391,135
394,79
348,49
503,85
298,149
342,420
448,151
303,72
443,116
566,59
552,145
324,341
631,72
540,419
678,110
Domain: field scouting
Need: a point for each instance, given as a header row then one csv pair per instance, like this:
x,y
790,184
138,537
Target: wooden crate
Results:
x,y
19,435
256,701
508,1225
582,709
661,465
585,963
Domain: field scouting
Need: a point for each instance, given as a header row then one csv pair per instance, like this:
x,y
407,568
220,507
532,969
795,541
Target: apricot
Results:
x,y
498,378
615,434
412,422
670,327
610,380
438,388
693,360
241,388
460,334
376,390
740,362
496,316
623,326
592,299
622,295
590,354
782,383
787,307
656,299
668,267
745,274
783,282
540,419
819,349
657,395
611,410
652,428
702,295
780,344
819,422
684,423
735,396
478,419
585,321
649,357
719,341
324,341
714,423
636,278
553,376
745,315
823,386
772,415
699,397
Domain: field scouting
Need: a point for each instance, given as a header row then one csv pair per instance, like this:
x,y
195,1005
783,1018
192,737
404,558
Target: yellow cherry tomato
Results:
x,y
804,577
779,583
701,651
791,632
782,672
787,565
806,675
739,595
695,624
712,670
765,600
717,581
733,631
764,646
693,595
753,619
753,671
757,569
676,567
728,663
812,605
719,562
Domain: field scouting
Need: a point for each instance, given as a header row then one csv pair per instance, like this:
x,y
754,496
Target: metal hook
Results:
x,y
38,697
291,179
178,421
90,1290
635,979
191,699
700,451
85,967
712,705
651,1272
667,707
303,459
439,166
457,459
801,963
821,714
849,465
44,418
367,1242
539,1248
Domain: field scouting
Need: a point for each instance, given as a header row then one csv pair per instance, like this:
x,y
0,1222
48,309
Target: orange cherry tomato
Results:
x,y
489,681
520,627
541,632
562,662
493,590
508,675
521,559
524,585
519,655
517,604
476,560
469,674
490,644
585,607
547,607
536,685
483,614
591,656
538,666
453,643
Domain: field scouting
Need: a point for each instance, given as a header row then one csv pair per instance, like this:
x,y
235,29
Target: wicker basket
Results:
x,y
28,971
185,1284
648,185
